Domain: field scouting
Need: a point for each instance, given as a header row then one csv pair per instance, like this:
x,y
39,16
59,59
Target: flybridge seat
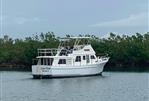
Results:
x,y
66,51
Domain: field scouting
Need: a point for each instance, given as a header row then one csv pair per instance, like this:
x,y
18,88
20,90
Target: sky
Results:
x,y
23,18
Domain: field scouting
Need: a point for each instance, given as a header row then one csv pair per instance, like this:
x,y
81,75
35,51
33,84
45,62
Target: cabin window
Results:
x,y
41,61
49,61
46,61
78,59
62,61
92,57
84,58
87,59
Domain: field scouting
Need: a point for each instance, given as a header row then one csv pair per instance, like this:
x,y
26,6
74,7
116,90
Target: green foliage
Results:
x,y
21,52
124,51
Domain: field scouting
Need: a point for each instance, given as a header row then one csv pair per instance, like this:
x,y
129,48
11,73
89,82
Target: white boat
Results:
x,y
74,57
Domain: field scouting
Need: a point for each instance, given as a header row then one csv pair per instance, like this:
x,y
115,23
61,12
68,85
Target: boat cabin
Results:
x,y
75,54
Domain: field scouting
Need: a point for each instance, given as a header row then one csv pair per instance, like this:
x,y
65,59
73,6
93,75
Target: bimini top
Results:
x,y
74,41
80,37
68,38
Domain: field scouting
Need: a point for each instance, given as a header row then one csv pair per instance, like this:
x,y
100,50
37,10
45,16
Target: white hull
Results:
x,y
61,71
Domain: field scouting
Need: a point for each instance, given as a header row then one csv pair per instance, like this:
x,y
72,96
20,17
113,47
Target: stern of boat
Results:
x,y
41,70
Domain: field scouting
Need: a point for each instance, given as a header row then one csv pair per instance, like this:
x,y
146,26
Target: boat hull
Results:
x,y
39,71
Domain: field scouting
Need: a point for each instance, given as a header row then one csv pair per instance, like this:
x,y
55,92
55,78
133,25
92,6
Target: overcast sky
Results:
x,y
21,18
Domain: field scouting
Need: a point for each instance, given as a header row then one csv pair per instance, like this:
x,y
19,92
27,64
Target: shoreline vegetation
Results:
x,y
127,53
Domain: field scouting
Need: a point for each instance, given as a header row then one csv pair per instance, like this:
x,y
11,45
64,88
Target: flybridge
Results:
x,y
76,43
68,46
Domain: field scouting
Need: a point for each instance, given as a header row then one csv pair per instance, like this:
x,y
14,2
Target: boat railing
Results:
x,y
102,57
48,52
53,52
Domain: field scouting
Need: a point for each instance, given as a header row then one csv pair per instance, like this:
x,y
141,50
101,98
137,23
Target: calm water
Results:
x,y
112,86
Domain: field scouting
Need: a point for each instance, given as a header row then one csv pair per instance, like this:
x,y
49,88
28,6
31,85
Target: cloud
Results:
x,y
3,18
17,20
23,20
136,20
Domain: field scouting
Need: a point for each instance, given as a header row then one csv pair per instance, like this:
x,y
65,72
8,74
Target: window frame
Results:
x,y
62,61
84,57
78,59
92,57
